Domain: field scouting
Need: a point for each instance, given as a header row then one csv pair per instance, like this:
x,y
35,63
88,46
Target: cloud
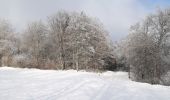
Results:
x,y
117,15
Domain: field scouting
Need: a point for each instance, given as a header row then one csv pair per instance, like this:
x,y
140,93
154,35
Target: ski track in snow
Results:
x,y
34,84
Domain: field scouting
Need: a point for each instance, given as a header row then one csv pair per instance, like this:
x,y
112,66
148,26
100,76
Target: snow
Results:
x,y
34,84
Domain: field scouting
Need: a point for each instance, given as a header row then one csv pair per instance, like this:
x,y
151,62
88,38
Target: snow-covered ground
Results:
x,y
34,84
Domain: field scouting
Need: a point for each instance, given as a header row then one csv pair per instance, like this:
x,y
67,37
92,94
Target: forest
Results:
x,y
74,40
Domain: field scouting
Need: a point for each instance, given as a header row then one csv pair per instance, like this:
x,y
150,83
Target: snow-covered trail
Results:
x,y
34,84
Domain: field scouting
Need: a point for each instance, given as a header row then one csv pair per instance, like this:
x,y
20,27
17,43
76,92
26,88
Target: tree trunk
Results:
x,y
1,59
77,61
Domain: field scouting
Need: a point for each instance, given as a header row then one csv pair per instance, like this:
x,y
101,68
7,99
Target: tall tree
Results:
x,y
6,34
58,25
147,45
34,39
80,40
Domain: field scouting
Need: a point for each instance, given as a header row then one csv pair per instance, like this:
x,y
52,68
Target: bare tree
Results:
x,y
34,39
6,33
80,40
146,46
58,25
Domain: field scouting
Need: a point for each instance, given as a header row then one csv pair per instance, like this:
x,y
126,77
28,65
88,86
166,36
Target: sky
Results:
x,y
116,15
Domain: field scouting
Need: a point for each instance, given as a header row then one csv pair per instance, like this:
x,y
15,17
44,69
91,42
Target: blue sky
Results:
x,y
116,15
150,4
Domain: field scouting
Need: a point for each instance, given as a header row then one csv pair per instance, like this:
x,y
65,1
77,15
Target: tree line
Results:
x,y
73,40
66,40
146,50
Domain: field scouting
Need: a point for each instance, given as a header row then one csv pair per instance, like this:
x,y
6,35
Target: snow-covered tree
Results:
x,y
6,44
34,41
147,45
120,55
58,24
81,41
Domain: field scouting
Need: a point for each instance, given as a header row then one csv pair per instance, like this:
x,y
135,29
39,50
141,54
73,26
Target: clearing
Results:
x,y
35,84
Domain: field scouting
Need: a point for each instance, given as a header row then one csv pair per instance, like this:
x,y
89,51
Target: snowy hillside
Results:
x,y
34,84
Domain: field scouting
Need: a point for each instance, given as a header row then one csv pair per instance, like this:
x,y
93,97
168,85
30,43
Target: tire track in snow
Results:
x,y
66,90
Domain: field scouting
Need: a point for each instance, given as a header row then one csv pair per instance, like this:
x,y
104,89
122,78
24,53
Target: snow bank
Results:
x,y
34,84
